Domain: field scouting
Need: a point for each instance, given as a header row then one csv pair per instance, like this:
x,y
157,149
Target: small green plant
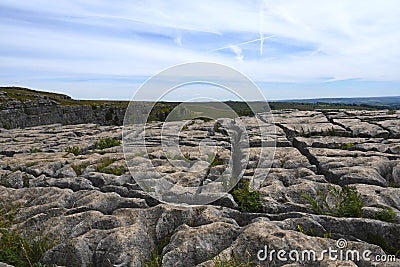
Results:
x,y
345,202
156,255
216,160
387,214
381,241
217,127
205,119
312,232
330,132
210,157
187,156
107,143
30,164
19,249
391,112
301,230
116,171
347,146
35,150
393,184
6,125
327,235
249,201
73,149
186,126
25,181
78,168
104,164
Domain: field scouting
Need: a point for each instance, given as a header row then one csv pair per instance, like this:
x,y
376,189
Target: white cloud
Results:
x,y
339,39
238,51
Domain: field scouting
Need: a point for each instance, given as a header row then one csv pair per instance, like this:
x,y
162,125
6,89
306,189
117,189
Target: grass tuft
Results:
x,y
73,149
387,214
249,201
22,250
156,255
103,167
214,160
381,241
393,184
35,150
345,202
78,168
107,143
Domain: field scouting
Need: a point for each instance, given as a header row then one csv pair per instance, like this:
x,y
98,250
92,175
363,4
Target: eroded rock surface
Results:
x,y
90,204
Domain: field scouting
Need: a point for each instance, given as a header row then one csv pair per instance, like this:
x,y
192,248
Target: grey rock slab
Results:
x,y
190,246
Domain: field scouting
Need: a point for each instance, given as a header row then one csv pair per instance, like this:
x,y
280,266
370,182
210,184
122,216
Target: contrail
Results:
x,y
240,44
261,26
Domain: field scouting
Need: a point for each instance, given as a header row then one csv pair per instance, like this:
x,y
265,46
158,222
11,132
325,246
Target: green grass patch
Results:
x,y
116,170
73,149
156,255
311,232
104,164
214,160
381,241
25,181
217,127
233,262
344,202
248,201
187,156
347,146
6,125
30,164
387,214
78,168
330,132
20,249
107,143
393,184
35,150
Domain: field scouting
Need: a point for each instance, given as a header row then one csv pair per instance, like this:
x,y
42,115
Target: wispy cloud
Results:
x,y
270,41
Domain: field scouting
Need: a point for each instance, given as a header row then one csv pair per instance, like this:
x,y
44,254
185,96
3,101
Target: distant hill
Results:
x,y
391,102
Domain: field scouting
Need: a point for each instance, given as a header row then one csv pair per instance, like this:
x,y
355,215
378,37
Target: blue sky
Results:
x,y
291,49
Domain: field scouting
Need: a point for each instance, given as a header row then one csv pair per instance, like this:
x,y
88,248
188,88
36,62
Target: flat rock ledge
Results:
x,y
97,215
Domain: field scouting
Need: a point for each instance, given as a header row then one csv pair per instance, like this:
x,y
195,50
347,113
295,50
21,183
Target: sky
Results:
x,y
103,49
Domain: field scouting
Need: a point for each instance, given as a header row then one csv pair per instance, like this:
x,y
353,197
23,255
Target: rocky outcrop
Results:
x,y
98,215
43,110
